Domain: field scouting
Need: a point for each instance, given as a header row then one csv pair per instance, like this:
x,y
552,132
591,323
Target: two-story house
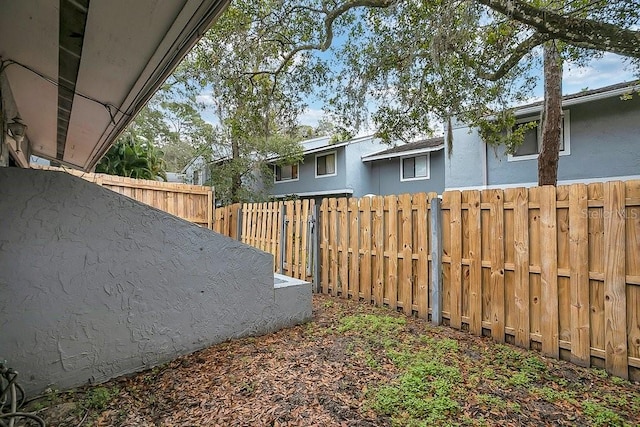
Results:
x,y
600,142
360,166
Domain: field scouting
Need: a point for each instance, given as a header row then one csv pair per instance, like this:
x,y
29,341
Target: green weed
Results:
x,y
519,378
420,395
601,415
98,398
551,395
372,325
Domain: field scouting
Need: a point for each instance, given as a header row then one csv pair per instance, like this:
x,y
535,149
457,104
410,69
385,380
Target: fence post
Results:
x,y
315,230
283,234
239,224
436,261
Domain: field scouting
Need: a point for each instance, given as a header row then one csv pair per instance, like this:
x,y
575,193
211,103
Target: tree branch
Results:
x,y
586,33
518,53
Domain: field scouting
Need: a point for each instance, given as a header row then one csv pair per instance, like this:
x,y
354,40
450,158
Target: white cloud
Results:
x,y
311,117
608,70
205,98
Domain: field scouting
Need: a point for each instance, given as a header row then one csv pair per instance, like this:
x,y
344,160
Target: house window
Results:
x,y
286,173
532,144
326,164
196,177
413,168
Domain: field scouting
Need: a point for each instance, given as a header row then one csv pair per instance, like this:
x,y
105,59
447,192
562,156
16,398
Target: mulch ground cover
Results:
x,y
354,365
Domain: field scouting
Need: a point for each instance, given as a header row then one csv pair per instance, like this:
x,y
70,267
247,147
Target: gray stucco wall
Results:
x,y
308,182
359,173
385,177
94,284
604,143
464,167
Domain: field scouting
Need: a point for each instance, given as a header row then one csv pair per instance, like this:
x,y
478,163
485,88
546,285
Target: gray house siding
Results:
x,y
359,173
94,284
355,177
385,176
307,181
604,142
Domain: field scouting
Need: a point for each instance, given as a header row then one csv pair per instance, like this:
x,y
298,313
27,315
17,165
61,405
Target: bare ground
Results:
x,y
353,365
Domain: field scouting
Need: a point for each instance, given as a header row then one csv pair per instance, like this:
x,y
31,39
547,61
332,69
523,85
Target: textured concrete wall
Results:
x,y
94,284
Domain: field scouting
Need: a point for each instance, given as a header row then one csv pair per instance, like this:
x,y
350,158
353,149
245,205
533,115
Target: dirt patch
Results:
x,y
334,373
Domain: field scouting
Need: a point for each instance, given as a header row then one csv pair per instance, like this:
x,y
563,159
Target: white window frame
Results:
x,y
419,178
275,174
335,163
566,136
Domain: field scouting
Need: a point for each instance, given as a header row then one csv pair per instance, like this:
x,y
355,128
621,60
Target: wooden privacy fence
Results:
x,y
262,226
193,203
556,269
377,249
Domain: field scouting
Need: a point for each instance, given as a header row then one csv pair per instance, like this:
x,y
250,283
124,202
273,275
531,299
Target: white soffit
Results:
x,y
127,49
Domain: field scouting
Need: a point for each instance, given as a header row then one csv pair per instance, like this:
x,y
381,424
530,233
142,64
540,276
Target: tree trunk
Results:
x,y
552,116
236,178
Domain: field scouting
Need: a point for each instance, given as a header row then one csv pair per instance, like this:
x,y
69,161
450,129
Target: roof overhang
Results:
x,y
78,71
383,156
580,98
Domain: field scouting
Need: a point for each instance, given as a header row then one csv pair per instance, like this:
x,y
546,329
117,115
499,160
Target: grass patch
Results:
x,y
372,325
421,394
600,415
98,398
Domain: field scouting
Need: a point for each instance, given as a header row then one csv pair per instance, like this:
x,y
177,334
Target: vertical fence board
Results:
x,y
615,301
304,242
633,268
422,274
333,246
391,204
475,262
365,239
354,247
378,244
497,266
549,272
406,280
343,247
521,261
455,234
325,259
579,281
297,228
436,260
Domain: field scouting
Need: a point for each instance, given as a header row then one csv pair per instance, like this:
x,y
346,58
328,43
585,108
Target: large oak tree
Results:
x,y
416,61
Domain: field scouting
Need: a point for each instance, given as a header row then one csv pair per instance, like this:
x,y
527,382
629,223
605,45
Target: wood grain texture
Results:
x,y
391,285
324,245
521,262
549,272
455,234
378,248
615,300
475,261
406,280
333,246
422,274
579,281
343,247
354,248
366,283
497,266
